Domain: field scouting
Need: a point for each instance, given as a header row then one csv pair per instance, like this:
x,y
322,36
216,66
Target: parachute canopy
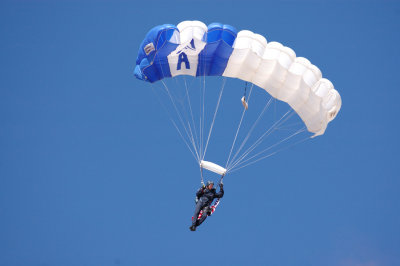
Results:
x,y
192,48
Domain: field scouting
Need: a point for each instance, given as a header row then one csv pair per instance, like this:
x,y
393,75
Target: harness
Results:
x,y
213,207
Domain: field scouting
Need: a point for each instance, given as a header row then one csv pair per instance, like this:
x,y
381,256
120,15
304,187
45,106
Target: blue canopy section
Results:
x,y
151,66
215,55
152,62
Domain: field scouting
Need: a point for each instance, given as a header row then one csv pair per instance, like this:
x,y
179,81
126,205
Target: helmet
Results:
x,y
209,183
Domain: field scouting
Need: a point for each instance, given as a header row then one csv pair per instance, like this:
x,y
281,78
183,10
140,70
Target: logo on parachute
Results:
x,y
183,56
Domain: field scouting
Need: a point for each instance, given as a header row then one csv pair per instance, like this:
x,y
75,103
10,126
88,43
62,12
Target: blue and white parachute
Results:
x,y
194,49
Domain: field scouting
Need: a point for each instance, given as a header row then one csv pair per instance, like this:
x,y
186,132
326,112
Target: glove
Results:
x,y
221,185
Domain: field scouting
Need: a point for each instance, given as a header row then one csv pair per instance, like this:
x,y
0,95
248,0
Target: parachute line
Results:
x,y
190,137
185,112
215,114
174,124
191,111
204,95
288,114
270,147
201,119
262,138
269,155
238,129
181,120
252,127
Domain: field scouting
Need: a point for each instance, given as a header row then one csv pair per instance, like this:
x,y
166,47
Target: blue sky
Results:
x,y
89,162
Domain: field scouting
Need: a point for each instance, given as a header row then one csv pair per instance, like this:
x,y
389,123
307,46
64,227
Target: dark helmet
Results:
x,y
209,183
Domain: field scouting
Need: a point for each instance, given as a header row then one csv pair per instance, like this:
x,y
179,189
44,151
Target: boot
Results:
x,y
192,228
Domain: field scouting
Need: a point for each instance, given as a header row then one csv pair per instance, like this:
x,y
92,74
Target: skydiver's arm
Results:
x,y
220,194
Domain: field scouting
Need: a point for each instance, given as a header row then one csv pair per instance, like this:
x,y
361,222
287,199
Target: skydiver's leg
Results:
x,y
197,210
201,220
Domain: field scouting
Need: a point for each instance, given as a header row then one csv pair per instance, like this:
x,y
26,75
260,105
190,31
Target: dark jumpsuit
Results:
x,y
206,197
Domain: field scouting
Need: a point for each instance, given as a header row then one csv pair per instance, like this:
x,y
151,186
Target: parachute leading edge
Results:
x,y
213,167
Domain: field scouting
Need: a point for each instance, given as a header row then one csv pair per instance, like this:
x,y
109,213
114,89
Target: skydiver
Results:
x,y
205,195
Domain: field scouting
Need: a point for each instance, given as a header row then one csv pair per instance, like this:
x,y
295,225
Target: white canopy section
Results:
x,y
284,76
213,167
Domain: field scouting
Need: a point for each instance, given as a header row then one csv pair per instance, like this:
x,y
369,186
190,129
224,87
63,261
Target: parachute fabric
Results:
x,y
246,56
